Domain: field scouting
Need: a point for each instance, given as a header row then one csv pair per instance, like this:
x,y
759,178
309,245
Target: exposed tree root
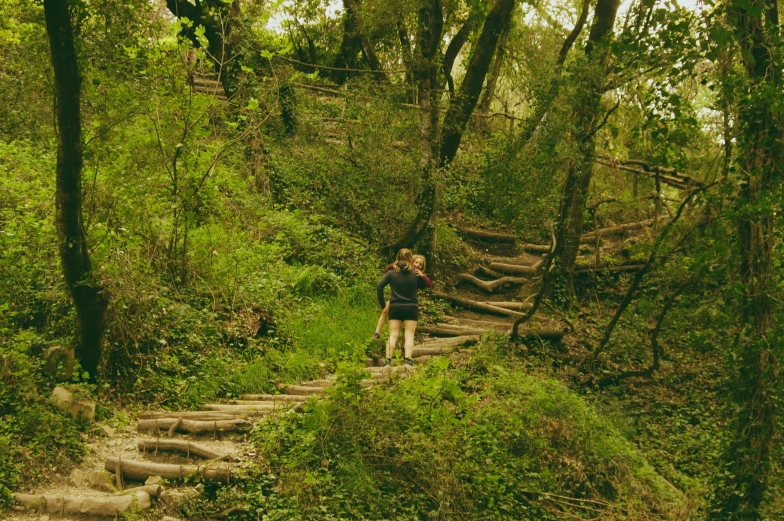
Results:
x,y
476,306
491,286
516,269
617,230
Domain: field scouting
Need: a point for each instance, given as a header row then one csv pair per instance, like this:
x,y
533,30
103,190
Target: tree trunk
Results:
x,y
756,383
88,296
349,47
431,24
453,49
462,104
351,9
586,109
495,72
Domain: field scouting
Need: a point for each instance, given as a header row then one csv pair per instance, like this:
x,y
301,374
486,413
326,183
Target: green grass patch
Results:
x,y
476,438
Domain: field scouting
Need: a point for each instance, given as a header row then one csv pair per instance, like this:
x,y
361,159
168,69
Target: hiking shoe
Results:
x,y
376,336
387,362
408,362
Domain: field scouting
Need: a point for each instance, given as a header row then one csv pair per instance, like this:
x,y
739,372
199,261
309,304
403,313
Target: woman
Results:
x,y
403,308
419,264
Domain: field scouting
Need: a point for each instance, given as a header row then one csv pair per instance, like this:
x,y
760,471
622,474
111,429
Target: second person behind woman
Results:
x,y
403,305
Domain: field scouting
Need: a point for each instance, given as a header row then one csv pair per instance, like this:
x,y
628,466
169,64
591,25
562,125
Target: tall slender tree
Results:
x,y
461,105
88,296
760,153
586,108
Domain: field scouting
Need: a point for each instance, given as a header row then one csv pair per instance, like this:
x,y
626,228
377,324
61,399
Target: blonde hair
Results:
x,y
404,255
422,258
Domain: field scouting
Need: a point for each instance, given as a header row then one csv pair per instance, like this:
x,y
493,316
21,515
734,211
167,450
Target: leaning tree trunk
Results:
x,y
453,49
586,108
88,296
462,104
492,78
431,25
756,385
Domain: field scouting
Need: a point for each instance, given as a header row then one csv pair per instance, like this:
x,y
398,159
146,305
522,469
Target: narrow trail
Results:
x,y
211,442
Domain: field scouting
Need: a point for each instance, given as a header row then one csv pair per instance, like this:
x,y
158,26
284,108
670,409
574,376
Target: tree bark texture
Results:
x,y
453,49
492,79
430,29
462,104
756,385
586,109
88,296
351,10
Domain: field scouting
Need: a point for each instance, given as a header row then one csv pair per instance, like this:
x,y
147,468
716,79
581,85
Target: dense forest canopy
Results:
x,y
198,196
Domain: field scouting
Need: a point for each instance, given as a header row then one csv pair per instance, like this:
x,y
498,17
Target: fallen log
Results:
x,y
461,341
419,352
91,505
472,305
615,230
480,324
543,333
240,410
273,397
490,286
608,269
324,382
301,390
536,248
153,490
482,235
270,405
449,330
193,426
186,415
141,470
515,269
182,446
512,305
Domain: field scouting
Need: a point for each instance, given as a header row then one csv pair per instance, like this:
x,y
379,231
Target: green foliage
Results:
x,y
36,438
479,440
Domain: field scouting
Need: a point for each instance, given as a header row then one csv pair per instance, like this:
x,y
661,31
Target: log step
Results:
x,y
159,425
141,470
301,390
108,506
240,410
482,235
273,397
186,415
185,447
473,305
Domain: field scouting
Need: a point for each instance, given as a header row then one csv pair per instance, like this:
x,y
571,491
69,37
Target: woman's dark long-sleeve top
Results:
x,y
404,285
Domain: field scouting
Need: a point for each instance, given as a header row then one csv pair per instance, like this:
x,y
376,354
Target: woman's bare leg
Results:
x,y
394,331
408,336
382,318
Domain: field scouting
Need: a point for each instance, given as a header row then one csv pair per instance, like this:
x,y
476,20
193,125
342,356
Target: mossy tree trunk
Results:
x,y
88,295
756,386
463,103
586,109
